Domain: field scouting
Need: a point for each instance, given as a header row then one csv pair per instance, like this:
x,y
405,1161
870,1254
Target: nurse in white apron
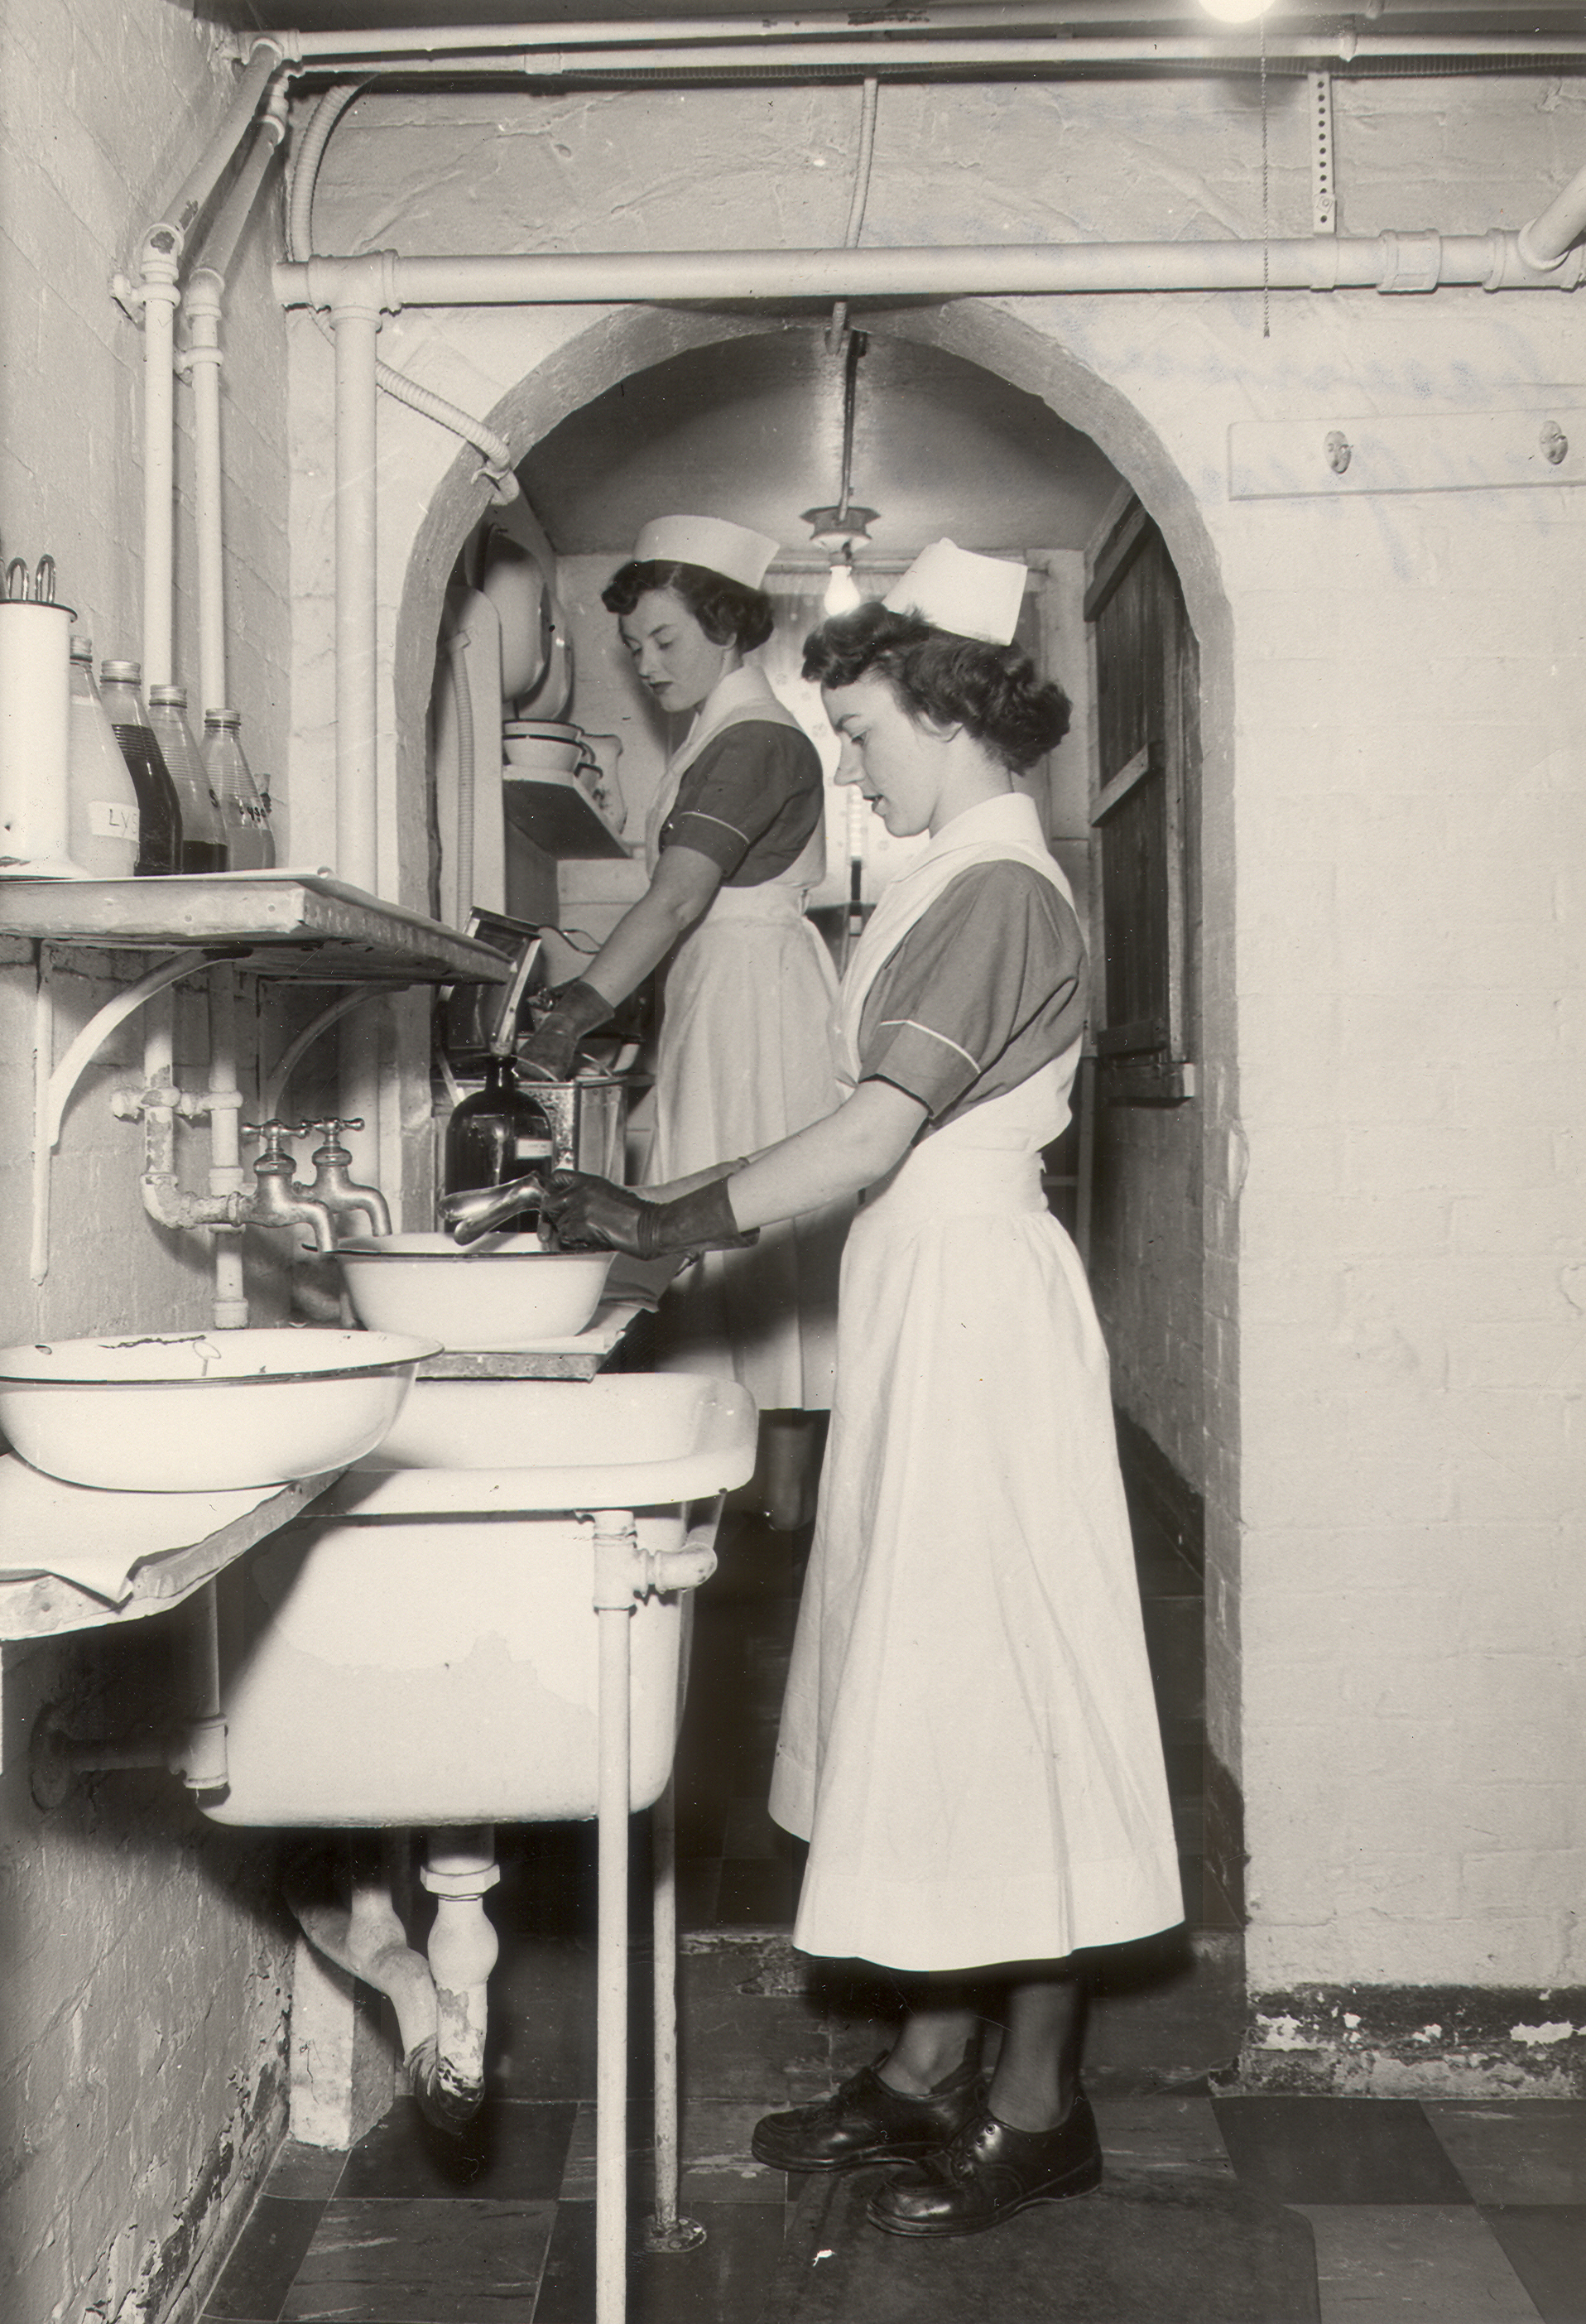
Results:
x,y
969,1739
734,843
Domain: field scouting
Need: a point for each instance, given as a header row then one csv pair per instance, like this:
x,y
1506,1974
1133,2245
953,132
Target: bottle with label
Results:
x,y
241,810
102,805
158,814
497,1134
202,833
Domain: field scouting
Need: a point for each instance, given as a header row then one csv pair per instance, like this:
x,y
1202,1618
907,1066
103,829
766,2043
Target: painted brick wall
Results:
x,y
140,2078
1389,1432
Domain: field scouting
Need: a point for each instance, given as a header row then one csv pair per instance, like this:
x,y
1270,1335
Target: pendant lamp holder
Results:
x,y
839,528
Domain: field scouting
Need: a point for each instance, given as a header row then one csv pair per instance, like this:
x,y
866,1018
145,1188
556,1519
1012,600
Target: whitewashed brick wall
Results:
x,y
140,2075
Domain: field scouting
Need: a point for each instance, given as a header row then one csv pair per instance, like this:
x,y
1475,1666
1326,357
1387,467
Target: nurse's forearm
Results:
x,y
869,1135
680,894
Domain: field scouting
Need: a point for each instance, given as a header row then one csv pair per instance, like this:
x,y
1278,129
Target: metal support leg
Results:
x,y
666,2232
616,1547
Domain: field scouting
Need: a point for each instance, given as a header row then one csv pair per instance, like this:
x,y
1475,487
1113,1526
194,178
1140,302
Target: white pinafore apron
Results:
x,y
969,1738
745,1059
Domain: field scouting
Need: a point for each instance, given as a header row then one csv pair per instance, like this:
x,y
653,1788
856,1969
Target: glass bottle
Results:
x,y
241,810
102,805
159,812
497,1133
203,833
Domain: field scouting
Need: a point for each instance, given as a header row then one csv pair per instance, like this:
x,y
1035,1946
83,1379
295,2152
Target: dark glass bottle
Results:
x,y
203,833
497,1134
159,812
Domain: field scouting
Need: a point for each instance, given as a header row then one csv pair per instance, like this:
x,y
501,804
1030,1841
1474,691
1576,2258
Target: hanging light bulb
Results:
x,y
1236,12
842,590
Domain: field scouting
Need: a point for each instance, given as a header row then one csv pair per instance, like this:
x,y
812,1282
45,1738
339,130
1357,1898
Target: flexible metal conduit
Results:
x,y
1387,262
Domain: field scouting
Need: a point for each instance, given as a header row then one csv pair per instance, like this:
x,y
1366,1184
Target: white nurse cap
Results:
x,y
730,549
955,589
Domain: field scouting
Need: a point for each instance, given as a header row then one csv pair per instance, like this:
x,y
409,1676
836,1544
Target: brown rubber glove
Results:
x,y
550,1051
588,1211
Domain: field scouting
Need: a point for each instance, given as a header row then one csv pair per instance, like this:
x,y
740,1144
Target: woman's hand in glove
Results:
x,y
594,1211
595,1214
550,1049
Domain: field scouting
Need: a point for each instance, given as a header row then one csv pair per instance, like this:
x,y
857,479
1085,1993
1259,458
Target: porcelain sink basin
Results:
x,y
632,1440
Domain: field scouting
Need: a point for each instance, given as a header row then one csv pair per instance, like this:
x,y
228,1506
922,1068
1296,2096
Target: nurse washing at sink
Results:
x,y
734,842
969,1739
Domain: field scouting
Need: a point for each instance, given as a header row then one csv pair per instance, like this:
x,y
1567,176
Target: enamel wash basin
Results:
x,y
421,1647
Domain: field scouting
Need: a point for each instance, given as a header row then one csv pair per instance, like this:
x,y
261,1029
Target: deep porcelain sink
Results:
x,y
632,1440
422,1646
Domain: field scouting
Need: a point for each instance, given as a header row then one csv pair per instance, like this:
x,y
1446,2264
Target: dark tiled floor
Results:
x,y
1446,2214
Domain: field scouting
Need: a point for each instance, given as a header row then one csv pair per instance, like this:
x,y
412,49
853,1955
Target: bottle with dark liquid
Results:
x,y
497,1134
203,833
159,812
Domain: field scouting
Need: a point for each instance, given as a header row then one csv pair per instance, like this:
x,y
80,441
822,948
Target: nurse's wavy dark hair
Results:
x,y
729,614
995,693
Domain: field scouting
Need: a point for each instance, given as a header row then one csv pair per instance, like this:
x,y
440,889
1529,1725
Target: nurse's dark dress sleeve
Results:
x,y
750,801
987,986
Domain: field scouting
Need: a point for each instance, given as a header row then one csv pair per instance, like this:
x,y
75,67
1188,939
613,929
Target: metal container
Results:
x,y
588,1122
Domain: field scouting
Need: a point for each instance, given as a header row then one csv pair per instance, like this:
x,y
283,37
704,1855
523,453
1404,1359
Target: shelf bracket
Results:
x,y
53,1084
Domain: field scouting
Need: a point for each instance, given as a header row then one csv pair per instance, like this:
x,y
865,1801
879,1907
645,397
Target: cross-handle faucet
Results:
x,y
331,1185
278,1201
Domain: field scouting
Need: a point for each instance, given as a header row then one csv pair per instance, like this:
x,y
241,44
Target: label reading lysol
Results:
x,y
111,819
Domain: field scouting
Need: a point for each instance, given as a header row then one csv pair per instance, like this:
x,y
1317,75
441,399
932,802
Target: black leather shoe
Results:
x,y
866,2122
989,2171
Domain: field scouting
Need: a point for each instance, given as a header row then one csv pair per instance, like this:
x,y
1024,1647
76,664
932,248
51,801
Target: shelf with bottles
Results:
x,y
305,925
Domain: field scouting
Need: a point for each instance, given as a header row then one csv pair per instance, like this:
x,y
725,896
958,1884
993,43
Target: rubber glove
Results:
x,y
587,1211
550,1051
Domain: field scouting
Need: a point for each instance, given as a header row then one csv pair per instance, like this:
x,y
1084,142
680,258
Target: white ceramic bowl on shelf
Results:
x,y
204,1412
500,1293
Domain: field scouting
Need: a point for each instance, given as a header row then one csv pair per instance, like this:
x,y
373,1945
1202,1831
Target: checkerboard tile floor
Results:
x,y
1449,2213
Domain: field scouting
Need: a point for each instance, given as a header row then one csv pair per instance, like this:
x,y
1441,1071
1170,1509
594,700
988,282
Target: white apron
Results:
x,y
969,1738
744,1060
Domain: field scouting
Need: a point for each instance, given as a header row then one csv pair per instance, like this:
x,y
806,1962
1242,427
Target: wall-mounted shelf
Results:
x,y
276,924
123,1556
558,814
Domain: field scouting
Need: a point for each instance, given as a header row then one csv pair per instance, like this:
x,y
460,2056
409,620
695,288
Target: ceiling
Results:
x,y
1494,16
751,428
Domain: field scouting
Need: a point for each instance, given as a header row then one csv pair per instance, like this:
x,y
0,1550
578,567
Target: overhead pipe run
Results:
x,y
1389,263
945,39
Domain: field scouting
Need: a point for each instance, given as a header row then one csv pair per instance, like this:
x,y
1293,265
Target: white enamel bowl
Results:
x,y
204,1412
501,1293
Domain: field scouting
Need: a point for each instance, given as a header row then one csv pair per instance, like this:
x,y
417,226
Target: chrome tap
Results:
x,y
474,1213
333,1187
278,1201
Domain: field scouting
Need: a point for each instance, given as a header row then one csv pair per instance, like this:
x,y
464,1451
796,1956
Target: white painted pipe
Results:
x,y
179,213
225,1170
533,46
1388,262
160,297
615,1554
356,325
202,360
202,363
1544,242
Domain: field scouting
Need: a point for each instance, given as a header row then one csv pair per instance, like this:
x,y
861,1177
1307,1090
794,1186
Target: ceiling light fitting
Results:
x,y
839,528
